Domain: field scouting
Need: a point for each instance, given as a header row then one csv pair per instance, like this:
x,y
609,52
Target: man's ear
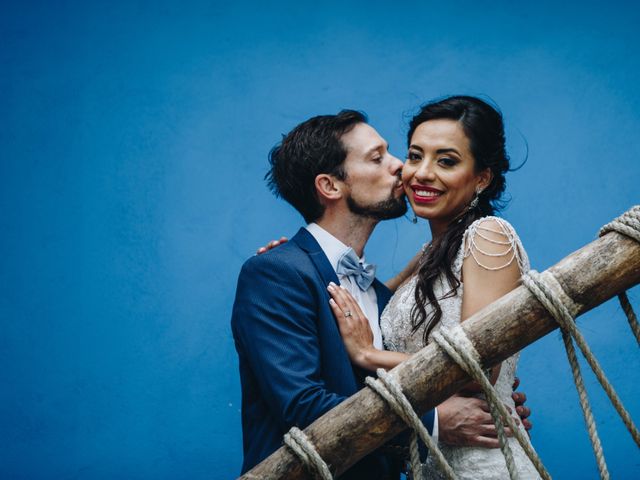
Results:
x,y
328,187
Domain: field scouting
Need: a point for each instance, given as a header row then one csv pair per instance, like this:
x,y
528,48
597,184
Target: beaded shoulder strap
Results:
x,y
498,232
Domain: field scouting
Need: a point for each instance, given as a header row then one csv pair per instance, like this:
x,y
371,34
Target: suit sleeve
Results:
x,y
275,327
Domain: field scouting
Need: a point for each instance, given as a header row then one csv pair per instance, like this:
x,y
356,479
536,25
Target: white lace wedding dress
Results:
x,y
472,463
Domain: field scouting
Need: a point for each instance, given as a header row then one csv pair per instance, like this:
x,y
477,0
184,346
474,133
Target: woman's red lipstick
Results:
x,y
422,194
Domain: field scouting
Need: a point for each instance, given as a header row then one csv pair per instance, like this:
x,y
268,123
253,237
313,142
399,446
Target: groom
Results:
x,y
337,172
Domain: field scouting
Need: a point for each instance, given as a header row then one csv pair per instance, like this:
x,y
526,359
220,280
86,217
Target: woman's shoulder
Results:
x,y
494,244
491,224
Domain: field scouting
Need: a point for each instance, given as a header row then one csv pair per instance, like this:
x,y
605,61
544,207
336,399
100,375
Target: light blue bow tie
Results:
x,y
350,266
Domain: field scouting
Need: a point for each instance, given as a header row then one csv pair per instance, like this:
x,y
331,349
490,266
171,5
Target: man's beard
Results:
x,y
385,210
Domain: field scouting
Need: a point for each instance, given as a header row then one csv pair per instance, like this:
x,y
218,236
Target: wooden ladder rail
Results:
x,y
364,422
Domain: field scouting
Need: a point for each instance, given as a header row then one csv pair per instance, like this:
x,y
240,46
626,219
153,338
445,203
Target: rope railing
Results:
x,y
627,224
457,345
389,389
297,441
631,315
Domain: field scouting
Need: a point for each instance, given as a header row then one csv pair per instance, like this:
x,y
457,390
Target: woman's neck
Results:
x,y
438,229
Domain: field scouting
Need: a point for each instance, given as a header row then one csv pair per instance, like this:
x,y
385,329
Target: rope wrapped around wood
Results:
x,y
455,342
546,288
627,224
298,442
390,390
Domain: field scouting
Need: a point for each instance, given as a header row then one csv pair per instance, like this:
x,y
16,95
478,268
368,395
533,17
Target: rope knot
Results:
x,y
389,389
546,288
627,224
297,441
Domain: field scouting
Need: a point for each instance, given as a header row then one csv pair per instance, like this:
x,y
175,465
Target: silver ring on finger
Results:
x,y
347,314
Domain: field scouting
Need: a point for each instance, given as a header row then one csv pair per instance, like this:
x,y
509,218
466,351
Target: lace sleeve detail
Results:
x,y
493,244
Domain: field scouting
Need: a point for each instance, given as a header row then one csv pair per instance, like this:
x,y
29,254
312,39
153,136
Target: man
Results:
x,y
337,172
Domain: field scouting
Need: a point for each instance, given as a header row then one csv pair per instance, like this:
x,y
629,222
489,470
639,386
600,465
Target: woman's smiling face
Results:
x,y
439,176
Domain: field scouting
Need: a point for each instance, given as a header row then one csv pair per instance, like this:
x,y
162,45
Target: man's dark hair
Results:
x,y
311,148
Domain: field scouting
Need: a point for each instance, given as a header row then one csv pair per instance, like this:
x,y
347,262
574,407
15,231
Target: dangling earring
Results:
x,y
476,199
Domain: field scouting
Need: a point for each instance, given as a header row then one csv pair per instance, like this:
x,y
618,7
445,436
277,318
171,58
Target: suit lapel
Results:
x,y
309,244
327,274
383,294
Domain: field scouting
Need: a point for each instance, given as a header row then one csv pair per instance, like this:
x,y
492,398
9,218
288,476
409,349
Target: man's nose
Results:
x,y
396,165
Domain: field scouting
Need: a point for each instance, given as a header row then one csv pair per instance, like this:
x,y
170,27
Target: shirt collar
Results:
x,y
330,245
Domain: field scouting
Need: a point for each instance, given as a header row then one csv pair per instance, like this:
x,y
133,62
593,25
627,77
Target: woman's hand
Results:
x,y
357,335
272,244
354,326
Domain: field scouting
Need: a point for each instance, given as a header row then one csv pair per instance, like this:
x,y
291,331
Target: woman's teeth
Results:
x,y
424,193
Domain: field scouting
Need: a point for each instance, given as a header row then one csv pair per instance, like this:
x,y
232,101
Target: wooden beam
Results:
x,y
364,422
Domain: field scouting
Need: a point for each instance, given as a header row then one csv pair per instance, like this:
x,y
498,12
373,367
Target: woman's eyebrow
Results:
x,y
447,150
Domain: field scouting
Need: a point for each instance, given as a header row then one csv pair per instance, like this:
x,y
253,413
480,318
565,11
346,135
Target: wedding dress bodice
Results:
x,y
397,331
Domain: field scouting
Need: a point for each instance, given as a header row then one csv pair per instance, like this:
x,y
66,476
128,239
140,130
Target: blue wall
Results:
x,y
133,143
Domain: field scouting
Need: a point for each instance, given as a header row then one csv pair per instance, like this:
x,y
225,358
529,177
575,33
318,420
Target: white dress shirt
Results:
x,y
368,301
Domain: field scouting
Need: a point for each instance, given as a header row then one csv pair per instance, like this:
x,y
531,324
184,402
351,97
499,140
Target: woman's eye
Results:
x,y
413,157
447,162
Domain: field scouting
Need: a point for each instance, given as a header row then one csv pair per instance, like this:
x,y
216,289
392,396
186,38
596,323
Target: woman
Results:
x,y
454,178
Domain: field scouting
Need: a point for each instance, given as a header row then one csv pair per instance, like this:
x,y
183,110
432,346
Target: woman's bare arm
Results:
x,y
489,271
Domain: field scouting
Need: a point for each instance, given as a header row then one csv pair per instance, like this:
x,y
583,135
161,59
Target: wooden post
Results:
x,y
364,422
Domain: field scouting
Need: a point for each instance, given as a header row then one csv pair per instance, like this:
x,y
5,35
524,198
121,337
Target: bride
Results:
x,y
454,177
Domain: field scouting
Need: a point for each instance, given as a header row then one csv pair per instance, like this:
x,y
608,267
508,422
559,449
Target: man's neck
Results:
x,y
353,231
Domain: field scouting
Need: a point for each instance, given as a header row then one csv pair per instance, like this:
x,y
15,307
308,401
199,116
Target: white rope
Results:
x,y
297,441
627,224
414,457
631,315
390,390
575,369
455,342
539,286
457,345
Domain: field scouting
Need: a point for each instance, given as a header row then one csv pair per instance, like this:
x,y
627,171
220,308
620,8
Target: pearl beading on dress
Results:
x,y
472,248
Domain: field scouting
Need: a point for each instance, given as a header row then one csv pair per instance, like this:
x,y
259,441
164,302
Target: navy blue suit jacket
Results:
x,y
293,364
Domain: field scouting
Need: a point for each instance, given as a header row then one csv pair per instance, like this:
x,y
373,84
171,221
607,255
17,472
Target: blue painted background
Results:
x,y
133,142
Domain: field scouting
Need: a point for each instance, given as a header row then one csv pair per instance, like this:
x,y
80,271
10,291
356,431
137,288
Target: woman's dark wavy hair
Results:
x,y
311,148
484,128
